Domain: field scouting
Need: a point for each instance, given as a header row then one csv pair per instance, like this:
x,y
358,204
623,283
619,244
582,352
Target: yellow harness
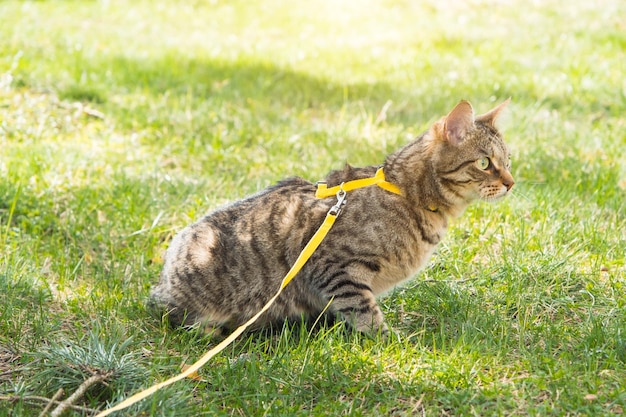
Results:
x,y
378,179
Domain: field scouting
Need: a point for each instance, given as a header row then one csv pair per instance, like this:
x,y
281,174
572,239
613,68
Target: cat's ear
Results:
x,y
492,115
458,122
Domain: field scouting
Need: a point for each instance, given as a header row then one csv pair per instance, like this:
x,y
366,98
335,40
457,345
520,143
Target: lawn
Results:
x,y
123,121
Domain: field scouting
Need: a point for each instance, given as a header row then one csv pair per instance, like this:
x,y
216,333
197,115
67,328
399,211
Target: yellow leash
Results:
x,y
340,191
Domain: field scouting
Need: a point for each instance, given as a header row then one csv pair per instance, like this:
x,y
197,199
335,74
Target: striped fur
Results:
x,y
222,269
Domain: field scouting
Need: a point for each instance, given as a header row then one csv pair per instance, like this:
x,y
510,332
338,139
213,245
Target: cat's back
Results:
x,y
270,212
223,264
256,227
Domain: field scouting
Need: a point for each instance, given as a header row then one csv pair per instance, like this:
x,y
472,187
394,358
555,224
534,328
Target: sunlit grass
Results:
x,y
121,122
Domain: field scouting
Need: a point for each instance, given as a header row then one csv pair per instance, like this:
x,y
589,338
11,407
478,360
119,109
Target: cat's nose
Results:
x,y
508,183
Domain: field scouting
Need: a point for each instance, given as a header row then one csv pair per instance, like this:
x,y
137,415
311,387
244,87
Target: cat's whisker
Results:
x,y
520,194
516,192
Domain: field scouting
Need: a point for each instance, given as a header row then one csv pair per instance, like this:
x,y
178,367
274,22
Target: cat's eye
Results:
x,y
483,163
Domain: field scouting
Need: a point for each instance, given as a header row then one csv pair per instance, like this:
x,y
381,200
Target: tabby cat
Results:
x,y
221,270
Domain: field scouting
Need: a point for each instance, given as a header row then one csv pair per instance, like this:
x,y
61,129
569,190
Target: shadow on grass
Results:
x,y
269,90
238,82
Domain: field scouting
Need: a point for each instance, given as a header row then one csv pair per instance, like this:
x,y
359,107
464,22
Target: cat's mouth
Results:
x,y
495,190
494,193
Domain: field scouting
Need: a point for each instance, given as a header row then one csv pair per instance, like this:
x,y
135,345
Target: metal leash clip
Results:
x,y
341,201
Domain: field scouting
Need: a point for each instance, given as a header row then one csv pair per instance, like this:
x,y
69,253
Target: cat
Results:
x,y
220,271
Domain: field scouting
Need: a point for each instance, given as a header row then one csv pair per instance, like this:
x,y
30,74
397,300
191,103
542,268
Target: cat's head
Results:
x,y
469,155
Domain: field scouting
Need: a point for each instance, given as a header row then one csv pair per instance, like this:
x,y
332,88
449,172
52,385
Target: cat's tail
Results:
x,y
165,308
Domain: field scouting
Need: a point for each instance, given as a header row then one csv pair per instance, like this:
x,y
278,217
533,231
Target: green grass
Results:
x,y
121,122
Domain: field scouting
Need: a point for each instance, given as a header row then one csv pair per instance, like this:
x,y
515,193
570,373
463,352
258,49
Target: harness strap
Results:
x,y
378,179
